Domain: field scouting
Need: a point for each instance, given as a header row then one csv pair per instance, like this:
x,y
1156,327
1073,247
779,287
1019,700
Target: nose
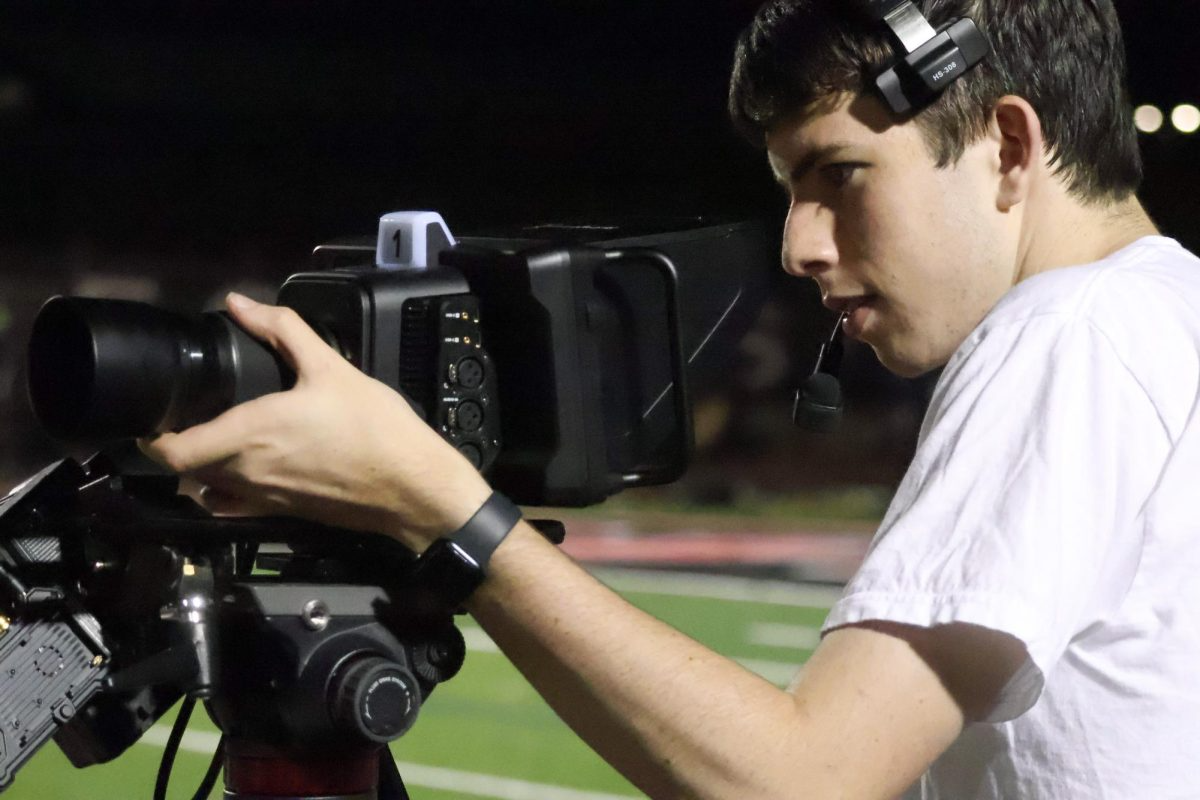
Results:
x,y
808,241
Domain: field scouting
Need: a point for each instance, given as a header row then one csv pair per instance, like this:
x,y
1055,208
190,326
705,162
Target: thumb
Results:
x,y
284,330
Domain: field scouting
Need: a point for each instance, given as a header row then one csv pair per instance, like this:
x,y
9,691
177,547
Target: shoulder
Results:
x,y
1131,315
1138,282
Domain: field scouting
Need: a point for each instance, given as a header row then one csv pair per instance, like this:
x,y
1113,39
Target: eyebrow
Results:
x,y
810,160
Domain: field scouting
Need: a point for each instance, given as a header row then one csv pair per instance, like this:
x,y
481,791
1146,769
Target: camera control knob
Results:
x,y
375,698
440,658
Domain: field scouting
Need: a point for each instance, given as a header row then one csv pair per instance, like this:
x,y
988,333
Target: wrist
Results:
x,y
455,565
491,523
420,515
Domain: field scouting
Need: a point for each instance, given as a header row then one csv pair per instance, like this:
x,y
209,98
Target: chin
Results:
x,y
908,370
906,366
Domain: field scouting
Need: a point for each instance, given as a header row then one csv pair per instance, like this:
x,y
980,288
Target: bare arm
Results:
x,y
873,707
864,718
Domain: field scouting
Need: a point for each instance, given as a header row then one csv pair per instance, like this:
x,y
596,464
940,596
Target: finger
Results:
x,y
149,447
226,504
161,448
205,444
283,329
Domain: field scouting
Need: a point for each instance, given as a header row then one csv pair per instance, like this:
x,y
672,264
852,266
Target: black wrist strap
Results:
x,y
484,531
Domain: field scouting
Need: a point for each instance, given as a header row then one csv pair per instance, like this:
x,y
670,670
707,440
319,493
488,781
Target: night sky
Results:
x,y
198,145
208,128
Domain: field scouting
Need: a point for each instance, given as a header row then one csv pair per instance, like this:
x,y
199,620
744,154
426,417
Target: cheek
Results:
x,y
871,232
898,232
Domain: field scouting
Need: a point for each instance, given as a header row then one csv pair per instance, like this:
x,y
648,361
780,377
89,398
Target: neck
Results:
x,y
1065,232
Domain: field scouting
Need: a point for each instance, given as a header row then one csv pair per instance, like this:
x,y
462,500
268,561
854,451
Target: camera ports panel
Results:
x,y
467,397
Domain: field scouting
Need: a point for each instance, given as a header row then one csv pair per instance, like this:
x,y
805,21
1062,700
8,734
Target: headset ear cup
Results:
x,y
887,83
970,40
918,78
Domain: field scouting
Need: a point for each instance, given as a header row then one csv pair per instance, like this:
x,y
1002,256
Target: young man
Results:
x,y
1025,623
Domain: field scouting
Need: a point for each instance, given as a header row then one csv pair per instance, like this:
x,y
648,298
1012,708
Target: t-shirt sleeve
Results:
x,y
1019,511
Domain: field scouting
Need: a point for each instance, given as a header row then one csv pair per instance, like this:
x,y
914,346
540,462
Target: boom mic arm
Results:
x,y
818,402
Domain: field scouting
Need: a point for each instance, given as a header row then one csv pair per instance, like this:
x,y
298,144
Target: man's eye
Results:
x,y
840,174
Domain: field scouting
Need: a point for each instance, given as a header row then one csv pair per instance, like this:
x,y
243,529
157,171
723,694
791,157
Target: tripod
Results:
x,y
255,771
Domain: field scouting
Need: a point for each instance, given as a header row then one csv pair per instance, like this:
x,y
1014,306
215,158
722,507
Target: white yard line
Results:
x,y
477,640
479,785
779,673
719,587
193,741
475,784
778,634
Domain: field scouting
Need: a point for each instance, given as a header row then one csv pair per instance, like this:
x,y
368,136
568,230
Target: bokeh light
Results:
x,y
1148,119
1186,118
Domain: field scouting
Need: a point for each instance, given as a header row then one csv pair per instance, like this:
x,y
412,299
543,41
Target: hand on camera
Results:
x,y
339,448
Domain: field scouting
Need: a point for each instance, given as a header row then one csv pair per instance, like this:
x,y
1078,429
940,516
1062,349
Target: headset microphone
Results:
x,y
818,403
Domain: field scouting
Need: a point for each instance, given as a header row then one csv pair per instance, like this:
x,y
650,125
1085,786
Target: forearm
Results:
x,y
674,717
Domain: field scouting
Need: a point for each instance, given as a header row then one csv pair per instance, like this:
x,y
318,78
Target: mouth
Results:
x,y
846,305
854,311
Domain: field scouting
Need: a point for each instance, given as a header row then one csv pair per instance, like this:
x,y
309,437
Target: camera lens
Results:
x,y
110,369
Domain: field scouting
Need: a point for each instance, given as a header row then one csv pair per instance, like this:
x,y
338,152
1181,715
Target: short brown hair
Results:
x,y
1066,57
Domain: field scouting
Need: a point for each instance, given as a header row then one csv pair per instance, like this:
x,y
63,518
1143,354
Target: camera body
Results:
x,y
556,366
595,335
557,362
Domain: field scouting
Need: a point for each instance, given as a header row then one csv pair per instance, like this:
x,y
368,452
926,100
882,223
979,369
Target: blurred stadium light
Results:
x,y
1186,118
1148,118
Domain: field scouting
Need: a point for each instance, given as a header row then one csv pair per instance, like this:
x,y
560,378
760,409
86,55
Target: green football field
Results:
x,y
485,734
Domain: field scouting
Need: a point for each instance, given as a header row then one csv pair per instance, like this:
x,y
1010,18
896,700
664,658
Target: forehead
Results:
x,y
850,123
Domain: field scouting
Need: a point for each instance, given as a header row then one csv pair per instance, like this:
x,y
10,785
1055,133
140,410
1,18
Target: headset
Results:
x,y
928,61
931,59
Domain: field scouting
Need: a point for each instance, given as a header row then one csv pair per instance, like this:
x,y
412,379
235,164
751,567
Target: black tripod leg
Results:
x,y
391,787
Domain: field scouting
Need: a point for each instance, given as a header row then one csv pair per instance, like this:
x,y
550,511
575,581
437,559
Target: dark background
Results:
x,y
172,150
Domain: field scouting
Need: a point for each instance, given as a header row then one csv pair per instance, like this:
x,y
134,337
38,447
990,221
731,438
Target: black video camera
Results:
x,y
558,361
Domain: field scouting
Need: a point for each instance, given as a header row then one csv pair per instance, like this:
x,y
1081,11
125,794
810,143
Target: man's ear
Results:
x,y
1016,128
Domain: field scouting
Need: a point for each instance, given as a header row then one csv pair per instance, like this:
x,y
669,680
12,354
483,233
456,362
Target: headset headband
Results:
x,y
931,59
908,24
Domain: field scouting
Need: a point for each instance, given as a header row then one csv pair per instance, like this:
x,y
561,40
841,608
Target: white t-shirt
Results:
x,y
1055,496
